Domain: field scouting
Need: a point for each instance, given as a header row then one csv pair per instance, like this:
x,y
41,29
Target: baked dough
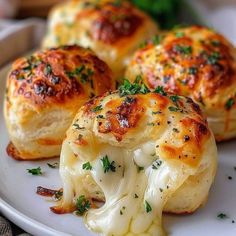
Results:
x,y
196,62
141,154
43,94
113,29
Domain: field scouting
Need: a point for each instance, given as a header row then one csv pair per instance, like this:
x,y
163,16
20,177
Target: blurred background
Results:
x,y
22,22
166,12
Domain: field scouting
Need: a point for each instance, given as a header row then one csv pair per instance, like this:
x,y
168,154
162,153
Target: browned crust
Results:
x,y
115,21
206,65
15,154
57,75
122,116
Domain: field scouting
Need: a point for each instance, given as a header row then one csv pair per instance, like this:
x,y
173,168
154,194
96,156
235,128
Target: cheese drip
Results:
x,y
134,196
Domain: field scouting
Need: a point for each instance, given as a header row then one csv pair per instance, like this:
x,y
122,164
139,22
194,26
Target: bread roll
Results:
x,y
196,62
44,92
113,29
141,153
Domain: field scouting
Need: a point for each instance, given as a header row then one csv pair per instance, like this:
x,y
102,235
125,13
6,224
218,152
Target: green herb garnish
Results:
x,y
156,112
192,70
156,40
87,166
174,98
81,73
183,49
82,205
77,126
222,216
97,108
213,58
215,43
230,102
35,171
54,165
175,130
147,206
137,87
175,109
107,165
48,69
160,90
179,34
58,195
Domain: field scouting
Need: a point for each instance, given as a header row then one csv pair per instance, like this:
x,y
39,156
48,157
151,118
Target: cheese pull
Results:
x,y
140,157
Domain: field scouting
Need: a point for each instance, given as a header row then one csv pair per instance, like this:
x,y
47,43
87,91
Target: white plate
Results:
x,y
19,202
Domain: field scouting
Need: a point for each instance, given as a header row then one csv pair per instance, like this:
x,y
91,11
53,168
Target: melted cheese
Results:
x,y
157,168
126,190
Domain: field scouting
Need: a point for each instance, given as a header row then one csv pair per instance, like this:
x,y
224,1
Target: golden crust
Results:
x,y
113,30
134,132
196,62
118,119
57,75
43,93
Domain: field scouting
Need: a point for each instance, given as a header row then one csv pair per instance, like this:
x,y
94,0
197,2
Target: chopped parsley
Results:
x,y
35,171
150,124
160,90
82,205
143,44
230,102
222,216
157,39
179,34
156,164
97,108
54,165
107,165
77,126
213,58
147,206
175,130
192,70
82,73
186,50
174,98
87,166
100,117
215,43
21,77
137,87
117,3
58,195
175,109
48,69
156,112
140,168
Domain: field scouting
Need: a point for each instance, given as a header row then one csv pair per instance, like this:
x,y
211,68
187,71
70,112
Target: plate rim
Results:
x,y
26,223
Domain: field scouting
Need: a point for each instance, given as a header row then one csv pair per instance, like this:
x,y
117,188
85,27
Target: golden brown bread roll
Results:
x,y
44,92
113,29
196,62
141,152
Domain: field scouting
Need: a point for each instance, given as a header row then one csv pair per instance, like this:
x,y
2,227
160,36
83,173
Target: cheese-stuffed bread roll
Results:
x,y
196,62
44,92
113,29
141,153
